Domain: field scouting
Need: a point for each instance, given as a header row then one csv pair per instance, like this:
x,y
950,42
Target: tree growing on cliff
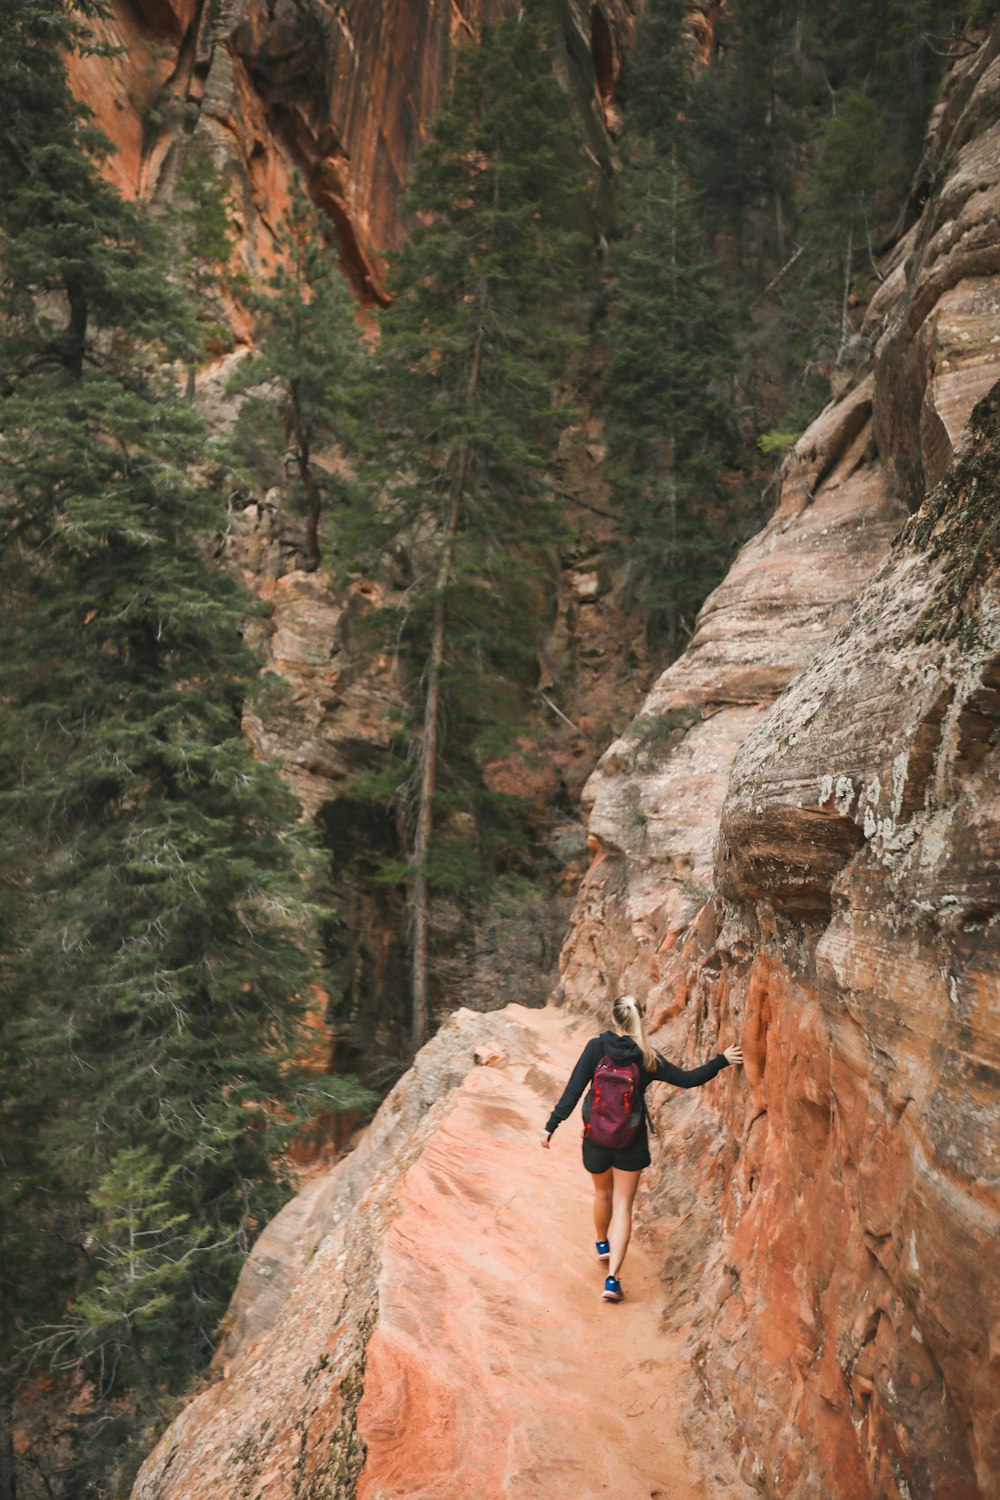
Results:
x,y
154,879
205,235
468,413
306,378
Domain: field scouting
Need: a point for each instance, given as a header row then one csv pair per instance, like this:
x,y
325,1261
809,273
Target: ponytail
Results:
x,y
627,1016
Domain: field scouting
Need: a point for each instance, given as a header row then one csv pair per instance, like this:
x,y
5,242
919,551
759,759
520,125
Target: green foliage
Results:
x,y
143,1249
473,340
75,253
777,442
202,219
844,171
155,881
781,166
672,357
306,380
467,405
802,135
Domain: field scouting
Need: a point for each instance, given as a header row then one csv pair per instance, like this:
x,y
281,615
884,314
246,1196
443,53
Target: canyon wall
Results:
x,y
796,845
340,93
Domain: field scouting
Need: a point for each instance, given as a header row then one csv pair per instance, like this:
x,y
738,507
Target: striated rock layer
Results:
x,y
798,840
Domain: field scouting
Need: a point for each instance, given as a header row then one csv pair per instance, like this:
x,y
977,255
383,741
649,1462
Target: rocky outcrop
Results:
x,y
425,1321
857,861
797,841
340,93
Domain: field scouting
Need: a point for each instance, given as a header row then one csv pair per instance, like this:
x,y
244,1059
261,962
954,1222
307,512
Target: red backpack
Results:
x,y
612,1111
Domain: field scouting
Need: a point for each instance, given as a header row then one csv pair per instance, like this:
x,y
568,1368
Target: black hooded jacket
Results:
x,y
622,1049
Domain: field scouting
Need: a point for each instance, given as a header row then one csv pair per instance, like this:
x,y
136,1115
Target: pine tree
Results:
x,y
154,877
669,412
123,1324
205,236
310,360
672,358
469,413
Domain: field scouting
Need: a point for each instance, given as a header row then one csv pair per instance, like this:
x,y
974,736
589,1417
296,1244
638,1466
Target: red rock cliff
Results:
x,y
340,92
797,844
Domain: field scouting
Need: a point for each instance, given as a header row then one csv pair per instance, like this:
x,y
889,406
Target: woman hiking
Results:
x,y
620,1065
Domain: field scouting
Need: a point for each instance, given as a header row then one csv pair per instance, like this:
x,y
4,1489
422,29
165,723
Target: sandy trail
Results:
x,y
496,1369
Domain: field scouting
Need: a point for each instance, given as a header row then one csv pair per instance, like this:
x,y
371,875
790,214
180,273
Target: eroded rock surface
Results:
x,y
425,1321
797,844
340,93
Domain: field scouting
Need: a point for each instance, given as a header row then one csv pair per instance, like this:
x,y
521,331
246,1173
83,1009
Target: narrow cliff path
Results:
x,y
495,1368
436,1295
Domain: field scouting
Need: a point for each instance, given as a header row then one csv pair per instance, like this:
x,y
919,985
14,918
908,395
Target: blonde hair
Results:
x,y
627,1015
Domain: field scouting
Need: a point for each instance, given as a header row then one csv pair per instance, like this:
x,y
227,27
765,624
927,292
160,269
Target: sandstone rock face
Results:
x,y
656,795
796,845
340,93
872,899
936,315
425,1321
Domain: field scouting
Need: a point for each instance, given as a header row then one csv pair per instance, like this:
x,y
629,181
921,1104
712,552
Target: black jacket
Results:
x,y
622,1049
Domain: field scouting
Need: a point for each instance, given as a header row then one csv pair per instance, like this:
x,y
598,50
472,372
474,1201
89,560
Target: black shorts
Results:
x,y
626,1158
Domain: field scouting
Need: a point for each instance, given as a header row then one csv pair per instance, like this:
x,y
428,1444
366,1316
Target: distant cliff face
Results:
x,y
341,93
796,844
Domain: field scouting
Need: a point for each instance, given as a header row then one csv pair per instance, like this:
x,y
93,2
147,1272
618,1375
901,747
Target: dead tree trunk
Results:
x,y
419,910
428,778
302,460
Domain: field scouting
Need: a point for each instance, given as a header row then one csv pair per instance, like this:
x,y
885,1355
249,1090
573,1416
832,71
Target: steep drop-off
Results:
x,y
343,94
797,841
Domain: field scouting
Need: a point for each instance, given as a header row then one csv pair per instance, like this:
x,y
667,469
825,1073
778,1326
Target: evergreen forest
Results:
x,y
172,925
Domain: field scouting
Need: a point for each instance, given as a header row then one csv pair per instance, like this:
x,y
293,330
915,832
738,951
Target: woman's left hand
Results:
x,y
546,1138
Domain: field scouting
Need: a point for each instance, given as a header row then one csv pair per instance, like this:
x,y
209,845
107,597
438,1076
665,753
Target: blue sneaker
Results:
x,y
613,1290
603,1249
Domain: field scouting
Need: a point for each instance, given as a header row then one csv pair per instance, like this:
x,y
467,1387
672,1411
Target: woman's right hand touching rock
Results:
x,y
734,1055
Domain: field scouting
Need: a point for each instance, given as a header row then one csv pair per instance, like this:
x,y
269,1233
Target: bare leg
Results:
x,y
602,1202
620,1230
